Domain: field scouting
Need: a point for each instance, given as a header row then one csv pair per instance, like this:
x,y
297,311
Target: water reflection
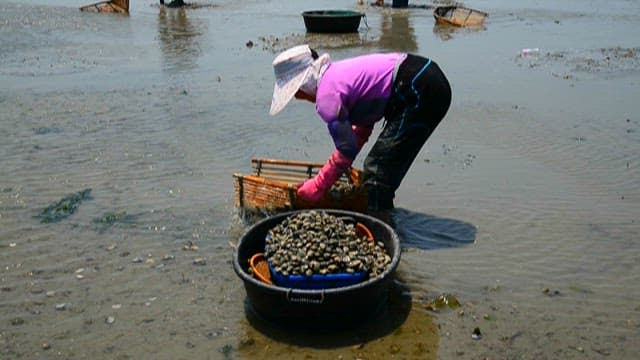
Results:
x,y
447,32
400,329
178,39
397,32
337,41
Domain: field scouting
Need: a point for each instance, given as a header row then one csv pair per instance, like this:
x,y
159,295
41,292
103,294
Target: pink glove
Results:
x,y
362,134
313,190
309,191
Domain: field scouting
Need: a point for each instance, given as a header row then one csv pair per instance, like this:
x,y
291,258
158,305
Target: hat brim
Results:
x,y
285,89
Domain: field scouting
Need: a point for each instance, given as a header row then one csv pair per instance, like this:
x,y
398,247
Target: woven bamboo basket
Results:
x,y
273,185
108,6
459,16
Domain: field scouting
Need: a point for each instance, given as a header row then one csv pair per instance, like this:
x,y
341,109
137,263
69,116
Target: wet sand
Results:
x,y
523,205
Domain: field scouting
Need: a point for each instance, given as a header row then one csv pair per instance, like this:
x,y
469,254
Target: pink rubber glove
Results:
x,y
362,134
313,190
309,191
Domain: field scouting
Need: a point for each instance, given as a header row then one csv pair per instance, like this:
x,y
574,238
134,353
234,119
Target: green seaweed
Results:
x,y
46,130
443,301
227,351
64,207
111,218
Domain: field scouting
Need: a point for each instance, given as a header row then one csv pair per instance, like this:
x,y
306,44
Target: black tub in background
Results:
x,y
332,21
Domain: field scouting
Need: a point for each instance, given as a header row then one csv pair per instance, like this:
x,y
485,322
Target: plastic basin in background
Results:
x,y
332,21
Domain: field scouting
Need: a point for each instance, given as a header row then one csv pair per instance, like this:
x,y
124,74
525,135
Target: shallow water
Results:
x,y
524,204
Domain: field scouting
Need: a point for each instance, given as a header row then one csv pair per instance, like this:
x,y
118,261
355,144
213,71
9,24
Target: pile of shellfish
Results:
x,y
314,242
341,189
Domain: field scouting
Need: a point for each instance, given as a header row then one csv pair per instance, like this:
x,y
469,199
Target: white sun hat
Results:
x,y
291,68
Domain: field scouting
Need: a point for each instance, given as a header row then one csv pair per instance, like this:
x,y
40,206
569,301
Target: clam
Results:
x,y
314,242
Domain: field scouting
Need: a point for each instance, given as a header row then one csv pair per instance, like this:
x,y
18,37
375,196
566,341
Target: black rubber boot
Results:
x,y
383,215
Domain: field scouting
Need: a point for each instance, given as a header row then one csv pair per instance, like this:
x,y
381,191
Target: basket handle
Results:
x,y
302,298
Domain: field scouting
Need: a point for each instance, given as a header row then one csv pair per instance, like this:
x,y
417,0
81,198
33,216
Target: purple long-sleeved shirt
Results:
x,y
355,92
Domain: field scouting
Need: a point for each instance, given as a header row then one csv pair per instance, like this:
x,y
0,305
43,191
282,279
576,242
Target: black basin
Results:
x,y
332,21
340,307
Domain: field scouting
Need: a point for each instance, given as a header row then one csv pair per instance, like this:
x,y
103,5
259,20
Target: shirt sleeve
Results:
x,y
343,137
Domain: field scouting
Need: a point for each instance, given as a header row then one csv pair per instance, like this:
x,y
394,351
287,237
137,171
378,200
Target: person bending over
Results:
x,y
409,91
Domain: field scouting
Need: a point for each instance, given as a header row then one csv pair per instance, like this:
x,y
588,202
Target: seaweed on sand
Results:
x,y
111,218
64,207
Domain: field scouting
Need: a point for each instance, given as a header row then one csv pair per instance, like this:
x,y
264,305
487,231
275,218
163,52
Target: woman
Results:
x,y
410,92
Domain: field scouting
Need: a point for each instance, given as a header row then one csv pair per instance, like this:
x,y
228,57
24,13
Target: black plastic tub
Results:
x,y
340,307
332,21
400,3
